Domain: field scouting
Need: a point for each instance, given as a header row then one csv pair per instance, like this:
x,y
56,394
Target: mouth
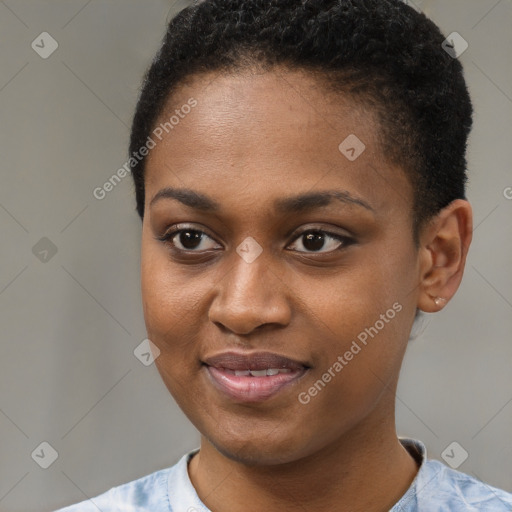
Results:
x,y
253,377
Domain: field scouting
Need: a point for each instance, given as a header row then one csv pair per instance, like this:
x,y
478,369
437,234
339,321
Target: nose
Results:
x,y
250,296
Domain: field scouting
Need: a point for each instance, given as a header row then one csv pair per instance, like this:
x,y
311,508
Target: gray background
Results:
x,y
70,324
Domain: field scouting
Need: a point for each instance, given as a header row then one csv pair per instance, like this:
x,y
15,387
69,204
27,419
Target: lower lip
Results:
x,y
252,389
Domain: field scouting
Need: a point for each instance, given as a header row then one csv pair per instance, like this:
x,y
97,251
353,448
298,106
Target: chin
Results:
x,y
255,455
258,450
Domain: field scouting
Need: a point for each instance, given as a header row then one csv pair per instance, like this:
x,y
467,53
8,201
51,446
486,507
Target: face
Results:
x,y
280,289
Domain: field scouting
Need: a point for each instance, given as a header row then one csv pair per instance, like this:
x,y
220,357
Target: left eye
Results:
x,y
314,240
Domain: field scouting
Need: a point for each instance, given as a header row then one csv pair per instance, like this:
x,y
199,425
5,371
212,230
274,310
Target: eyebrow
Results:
x,y
293,204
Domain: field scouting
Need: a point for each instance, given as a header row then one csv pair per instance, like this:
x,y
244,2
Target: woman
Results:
x,y
299,169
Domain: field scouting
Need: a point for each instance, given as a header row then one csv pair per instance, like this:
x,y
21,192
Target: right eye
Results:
x,y
188,240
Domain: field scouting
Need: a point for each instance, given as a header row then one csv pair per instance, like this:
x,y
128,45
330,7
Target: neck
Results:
x,y
365,470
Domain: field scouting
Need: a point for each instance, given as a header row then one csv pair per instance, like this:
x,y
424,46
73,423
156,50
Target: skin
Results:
x,y
253,139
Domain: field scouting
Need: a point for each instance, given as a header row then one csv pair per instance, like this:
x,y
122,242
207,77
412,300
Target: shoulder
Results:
x,y
439,488
456,491
148,493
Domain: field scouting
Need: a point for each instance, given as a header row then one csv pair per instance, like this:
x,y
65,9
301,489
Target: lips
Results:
x,y
253,361
253,377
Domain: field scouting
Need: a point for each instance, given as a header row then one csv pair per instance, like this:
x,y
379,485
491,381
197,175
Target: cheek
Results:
x,y
170,304
351,300
363,316
168,294
170,316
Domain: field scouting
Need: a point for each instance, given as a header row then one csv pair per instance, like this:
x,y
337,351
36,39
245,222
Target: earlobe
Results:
x,y
440,301
444,245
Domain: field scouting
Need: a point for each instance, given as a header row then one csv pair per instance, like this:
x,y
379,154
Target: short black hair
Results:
x,y
382,53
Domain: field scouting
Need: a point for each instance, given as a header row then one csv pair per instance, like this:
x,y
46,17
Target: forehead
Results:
x,y
289,105
269,133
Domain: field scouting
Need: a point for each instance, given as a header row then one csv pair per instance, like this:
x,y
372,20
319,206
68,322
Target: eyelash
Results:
x,y
345,241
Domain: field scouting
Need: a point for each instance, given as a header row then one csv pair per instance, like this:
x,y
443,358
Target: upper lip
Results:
x,y
253,361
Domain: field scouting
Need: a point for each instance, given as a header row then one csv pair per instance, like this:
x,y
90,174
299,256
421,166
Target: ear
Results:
x,y
444,245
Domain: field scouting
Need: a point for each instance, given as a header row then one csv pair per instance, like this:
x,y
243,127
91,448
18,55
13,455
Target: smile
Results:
x,y
252,377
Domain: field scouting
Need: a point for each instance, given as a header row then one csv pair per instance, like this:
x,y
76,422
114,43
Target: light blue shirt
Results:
x,y
436,488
